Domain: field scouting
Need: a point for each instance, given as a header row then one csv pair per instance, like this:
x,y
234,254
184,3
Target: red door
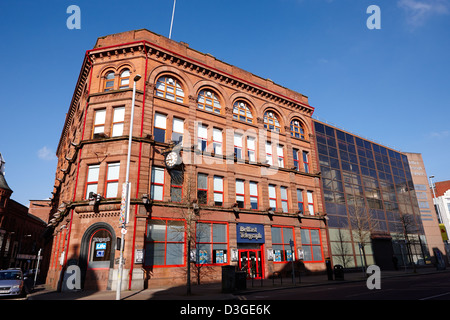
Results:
x,y
251,261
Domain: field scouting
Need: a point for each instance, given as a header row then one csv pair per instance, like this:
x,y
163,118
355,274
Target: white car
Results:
x,y
11,283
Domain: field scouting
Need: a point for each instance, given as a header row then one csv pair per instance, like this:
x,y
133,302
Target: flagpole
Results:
x,y
171,23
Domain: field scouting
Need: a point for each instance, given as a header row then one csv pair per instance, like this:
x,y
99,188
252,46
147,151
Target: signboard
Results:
x,y
443,232
250,233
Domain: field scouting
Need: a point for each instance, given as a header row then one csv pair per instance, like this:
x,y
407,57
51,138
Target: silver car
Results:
x,y
11,283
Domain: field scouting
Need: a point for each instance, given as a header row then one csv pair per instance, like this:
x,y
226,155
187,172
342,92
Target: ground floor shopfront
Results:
x,y
159,242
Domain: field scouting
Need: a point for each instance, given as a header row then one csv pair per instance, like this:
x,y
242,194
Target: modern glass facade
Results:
x,y
362,178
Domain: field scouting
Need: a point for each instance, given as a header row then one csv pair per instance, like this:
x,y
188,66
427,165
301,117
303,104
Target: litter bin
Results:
x,y
241,280
228,279
338,272
329,269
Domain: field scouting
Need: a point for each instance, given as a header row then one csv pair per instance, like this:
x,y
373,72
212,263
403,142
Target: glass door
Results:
x,y
250,261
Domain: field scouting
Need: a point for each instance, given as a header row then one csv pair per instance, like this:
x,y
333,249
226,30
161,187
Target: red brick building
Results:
x,y
246,191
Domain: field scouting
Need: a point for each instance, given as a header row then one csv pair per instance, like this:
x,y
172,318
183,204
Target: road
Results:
x,y
416,287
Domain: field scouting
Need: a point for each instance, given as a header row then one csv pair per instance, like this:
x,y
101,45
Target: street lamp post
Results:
x,y
127,194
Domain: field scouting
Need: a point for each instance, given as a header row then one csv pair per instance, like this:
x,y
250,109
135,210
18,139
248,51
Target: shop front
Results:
x,y
250,244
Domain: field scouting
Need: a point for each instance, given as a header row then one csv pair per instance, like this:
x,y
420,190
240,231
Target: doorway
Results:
x,y
251,261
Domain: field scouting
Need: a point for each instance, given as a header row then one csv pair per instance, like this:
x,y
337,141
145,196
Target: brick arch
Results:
x,y
206,84
299,117
276,110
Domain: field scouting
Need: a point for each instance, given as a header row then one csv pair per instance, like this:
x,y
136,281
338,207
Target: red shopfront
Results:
x,y
250,243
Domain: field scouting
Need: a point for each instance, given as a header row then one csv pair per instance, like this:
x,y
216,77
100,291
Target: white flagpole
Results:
x,y
171,23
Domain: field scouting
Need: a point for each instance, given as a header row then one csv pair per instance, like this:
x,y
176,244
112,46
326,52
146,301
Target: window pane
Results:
x,y
113,171
203,232
219,232
287,235
240,186
272,193
160,121
157,192
276,235
112,189
100,117
93,173
156,230
175,254
202,181
119,114
91,188
218,183
157,175
117,129
253,189
178,125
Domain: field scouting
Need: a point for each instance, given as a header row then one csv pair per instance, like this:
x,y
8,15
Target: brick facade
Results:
x,y
92,155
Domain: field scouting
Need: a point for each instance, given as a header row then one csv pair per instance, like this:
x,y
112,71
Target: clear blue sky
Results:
x,y
389,85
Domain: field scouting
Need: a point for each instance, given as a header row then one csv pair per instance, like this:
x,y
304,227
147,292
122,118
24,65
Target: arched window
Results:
x,y
297,130
124,79
169,88
209,101
242,112
109,81
271,121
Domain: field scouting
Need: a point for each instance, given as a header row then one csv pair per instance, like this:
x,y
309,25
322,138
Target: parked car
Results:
x,y
12,283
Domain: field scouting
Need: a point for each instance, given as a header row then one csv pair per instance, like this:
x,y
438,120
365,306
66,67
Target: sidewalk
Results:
x,y
213,291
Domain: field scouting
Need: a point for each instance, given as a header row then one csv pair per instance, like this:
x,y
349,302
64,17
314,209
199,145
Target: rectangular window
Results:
x,y
311,245
157,187
99,121
217,141
272,197
177,130
238,146
310,198
202,188
269,159
92,180
284,199
296,159
159,131
281,238
218,191
165,243
211,243
306,161
112,180
176,185
254,195
251,149
202,135
280,155
118,121
300,201
240,194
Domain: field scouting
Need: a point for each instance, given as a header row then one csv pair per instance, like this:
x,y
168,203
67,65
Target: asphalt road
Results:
x,y
416,287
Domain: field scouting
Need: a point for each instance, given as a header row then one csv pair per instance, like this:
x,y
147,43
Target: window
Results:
x,y
271,122
99,121
296,159
309,197
202,135
300,201
281,238
306,161
242,112
269,159
207,100
177,130
118,121
251,149
238,146
124,79
297,130
272,197
109,82
169,88
202,188
112,180
157,187
218,191
284,199
92,179
164,244
176,185
211,243
159,131
280,155
311,245
217,141
240,193
254,200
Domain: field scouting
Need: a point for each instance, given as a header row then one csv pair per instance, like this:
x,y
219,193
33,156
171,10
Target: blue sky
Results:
x,y
389,85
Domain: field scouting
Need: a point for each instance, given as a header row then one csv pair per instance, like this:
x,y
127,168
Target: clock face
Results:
x,y
171,159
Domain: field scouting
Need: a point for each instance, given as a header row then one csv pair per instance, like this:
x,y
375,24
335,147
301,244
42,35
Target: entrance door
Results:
x,y
251,262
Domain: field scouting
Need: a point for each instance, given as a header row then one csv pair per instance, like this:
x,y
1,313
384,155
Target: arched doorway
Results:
x,y
97,256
